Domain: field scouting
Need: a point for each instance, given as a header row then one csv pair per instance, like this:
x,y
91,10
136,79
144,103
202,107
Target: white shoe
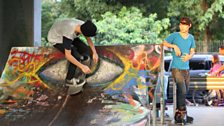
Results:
x,y
70,82
75,82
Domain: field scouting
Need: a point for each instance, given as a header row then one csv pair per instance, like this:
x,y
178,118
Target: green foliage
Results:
x,y
93,9
88,9
218,29
130,27
147,24
217,8
202,13
50,12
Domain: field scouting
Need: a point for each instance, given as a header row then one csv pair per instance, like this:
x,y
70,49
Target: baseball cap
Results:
x,y
88,29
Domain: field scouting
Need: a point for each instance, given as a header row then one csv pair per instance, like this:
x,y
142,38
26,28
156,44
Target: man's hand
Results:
x,y
95,57
175,47
85,69
177,50
186,57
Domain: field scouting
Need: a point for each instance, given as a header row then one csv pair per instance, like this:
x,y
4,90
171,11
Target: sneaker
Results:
x,y
179,118
80,81
69,82
209,102
74,82
189,120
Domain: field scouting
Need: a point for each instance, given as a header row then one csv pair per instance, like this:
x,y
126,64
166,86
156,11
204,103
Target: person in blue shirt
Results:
x,y
183,45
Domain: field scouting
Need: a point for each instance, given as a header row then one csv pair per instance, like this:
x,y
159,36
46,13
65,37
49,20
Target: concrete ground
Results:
x,y
203,115
79,111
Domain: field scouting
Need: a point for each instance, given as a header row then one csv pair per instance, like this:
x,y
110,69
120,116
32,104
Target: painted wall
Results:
x,y
127,74
17,26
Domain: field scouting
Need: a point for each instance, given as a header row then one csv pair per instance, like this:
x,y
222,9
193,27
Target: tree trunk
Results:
x,y
207,40
207,37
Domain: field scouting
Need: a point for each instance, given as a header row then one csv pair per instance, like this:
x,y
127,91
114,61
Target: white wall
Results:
x,y
37,23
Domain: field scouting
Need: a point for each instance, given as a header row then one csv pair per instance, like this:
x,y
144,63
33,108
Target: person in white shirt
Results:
x,y
64,35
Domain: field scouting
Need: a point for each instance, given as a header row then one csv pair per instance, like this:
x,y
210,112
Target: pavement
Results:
x,y
86,109
203,115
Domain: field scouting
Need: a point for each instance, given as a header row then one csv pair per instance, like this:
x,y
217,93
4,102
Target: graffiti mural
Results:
x,y
123,81
134,87
24,63
23,87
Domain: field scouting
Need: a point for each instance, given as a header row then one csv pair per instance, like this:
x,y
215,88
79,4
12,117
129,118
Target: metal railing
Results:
x,y
213,46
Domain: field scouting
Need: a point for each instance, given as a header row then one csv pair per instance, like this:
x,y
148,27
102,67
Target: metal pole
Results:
x,y
162,102
154,109
174,98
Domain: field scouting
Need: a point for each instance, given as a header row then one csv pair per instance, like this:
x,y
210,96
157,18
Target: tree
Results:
x,y
88,9
130,27
50,12
146,6
203,13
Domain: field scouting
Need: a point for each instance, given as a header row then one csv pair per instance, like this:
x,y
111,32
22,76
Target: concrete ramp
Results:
x,y
118,91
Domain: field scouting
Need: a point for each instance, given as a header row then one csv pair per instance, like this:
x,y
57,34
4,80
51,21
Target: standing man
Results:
x,y
64,35
183,45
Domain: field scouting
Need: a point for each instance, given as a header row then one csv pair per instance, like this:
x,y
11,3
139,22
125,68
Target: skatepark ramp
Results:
x,y
118,91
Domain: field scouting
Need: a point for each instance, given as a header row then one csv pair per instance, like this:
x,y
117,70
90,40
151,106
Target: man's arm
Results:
x,y
176,48
67,45
89,41
95,55
192,52
187,57
70,58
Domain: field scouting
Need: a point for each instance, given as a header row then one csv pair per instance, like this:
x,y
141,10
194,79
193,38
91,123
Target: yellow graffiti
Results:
x,y
140,61
28,70
127,65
